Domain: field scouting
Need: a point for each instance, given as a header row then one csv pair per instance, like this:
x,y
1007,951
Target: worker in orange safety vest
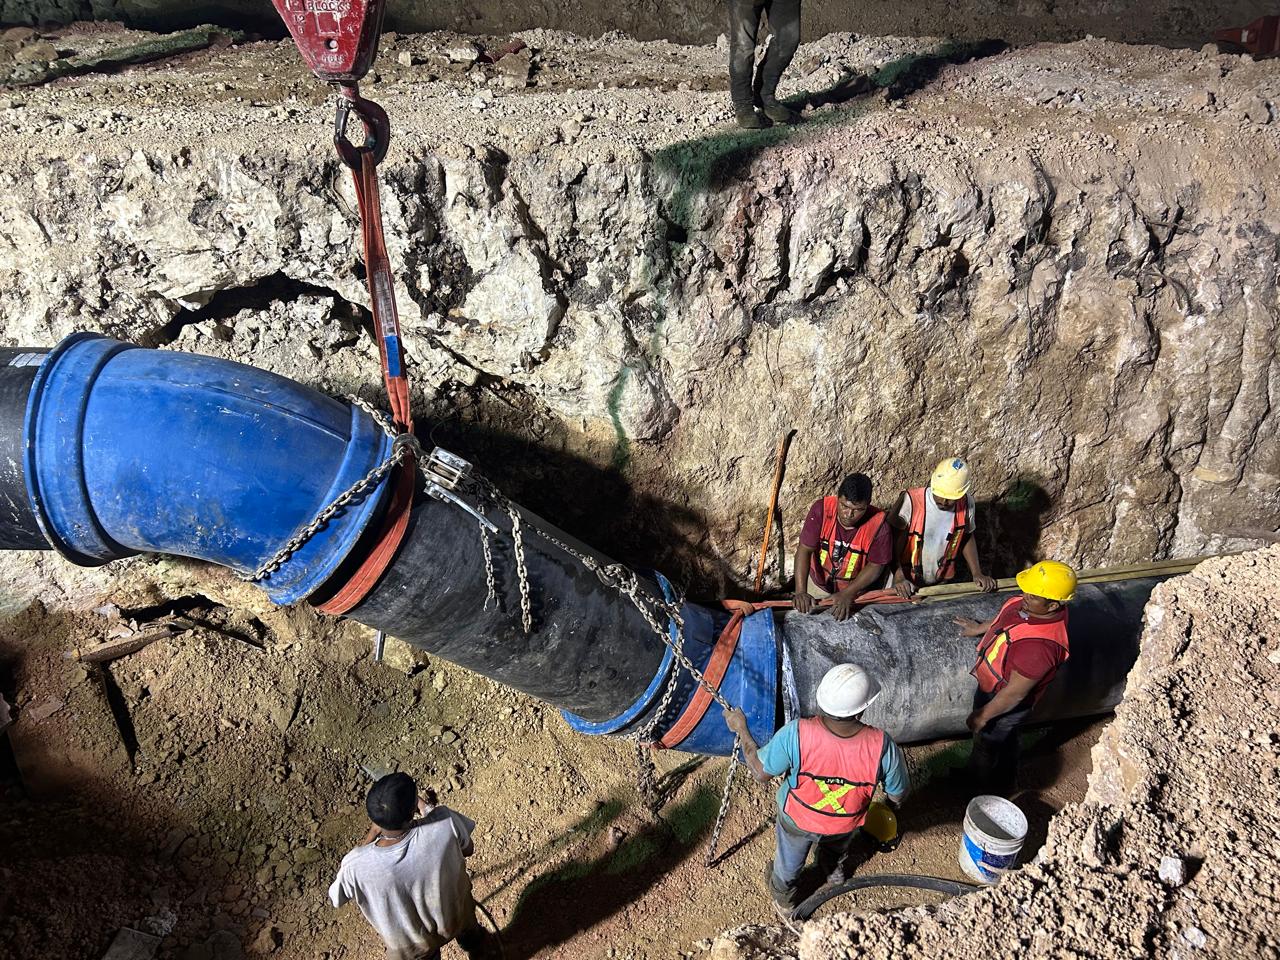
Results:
x,y
1019,654
934,527
831,764
844,548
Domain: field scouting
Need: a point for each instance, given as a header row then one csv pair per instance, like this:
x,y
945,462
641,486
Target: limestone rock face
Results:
x,y
1086,310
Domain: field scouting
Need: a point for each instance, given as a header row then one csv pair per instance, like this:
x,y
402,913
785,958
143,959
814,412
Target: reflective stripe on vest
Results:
x,y
992,669
913,552
851,563
837,777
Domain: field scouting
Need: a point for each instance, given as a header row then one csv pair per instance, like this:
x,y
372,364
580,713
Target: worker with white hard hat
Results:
x,y
1019,653
831,765
934,527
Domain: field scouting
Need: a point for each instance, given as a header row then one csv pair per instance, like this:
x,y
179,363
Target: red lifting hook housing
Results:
x,y
337,38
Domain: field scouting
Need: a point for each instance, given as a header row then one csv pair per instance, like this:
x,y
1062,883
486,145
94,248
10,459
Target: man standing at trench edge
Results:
x,y
1021,649
748,88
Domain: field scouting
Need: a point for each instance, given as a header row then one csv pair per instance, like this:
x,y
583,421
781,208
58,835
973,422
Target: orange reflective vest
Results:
x,y
847,565
1009,627
836,780
913,553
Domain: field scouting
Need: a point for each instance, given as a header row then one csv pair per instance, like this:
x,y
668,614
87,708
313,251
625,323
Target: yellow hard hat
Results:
x,y
950,479
1049,579
881,823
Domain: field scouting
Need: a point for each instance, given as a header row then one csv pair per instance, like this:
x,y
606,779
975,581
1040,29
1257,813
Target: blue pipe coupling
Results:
x,y
750,682
130,450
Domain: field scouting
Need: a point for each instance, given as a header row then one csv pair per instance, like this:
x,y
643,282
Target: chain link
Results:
x,y
403,445
489,580
522,572
725,797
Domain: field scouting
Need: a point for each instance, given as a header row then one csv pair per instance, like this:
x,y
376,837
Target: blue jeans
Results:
x,y
793,849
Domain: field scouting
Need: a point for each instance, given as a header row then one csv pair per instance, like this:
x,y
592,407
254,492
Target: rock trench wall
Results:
x,y
1091,320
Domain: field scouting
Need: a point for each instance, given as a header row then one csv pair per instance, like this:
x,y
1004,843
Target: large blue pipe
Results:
x,y
128,450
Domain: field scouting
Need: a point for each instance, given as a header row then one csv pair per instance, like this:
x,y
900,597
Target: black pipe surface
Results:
x,y
589,651
19,529
952,888
923,664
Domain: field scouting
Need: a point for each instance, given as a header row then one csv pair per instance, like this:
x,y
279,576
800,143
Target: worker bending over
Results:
x,y
409,875
934,526
844,547
1019,654
832,763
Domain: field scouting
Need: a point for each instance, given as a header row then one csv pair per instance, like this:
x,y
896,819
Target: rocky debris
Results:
x,y
1173,871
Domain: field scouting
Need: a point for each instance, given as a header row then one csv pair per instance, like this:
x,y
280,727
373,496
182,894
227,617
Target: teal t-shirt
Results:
x,y
781,758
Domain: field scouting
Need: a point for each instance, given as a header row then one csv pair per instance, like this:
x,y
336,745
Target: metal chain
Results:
x,y
403,445
489,580
625,581
724,802
522,572
615,575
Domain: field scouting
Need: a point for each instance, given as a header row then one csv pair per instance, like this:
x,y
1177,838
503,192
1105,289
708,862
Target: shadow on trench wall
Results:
x,y
1009,527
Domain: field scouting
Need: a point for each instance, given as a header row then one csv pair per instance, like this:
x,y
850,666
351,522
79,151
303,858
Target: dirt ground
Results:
x,y
206,787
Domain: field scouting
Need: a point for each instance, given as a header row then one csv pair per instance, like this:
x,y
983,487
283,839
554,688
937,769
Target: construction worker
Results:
x,y
747,88
933,526
831,764
409,875
1021,649
844,547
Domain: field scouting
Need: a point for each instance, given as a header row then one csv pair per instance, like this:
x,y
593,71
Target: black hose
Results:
x,y
954,888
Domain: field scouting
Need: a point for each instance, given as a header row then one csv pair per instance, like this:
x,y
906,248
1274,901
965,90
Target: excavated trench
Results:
x,y
1058,260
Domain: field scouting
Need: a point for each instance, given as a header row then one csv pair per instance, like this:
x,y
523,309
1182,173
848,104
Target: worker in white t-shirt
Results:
x,y
934,527
409,875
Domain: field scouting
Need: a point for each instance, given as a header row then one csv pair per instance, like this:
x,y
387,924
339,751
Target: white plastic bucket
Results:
x,y
994,830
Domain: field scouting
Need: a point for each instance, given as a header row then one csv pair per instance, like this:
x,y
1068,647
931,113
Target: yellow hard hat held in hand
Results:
x,y
1049,579
881,824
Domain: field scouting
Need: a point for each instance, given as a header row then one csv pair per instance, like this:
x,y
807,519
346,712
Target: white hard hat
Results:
x,y
846,690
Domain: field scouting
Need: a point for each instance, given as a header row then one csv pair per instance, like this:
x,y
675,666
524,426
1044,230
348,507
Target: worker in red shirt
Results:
x,y
844,547
1021,649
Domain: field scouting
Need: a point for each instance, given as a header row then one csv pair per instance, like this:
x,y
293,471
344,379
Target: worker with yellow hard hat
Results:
x,y
1021,649
934,527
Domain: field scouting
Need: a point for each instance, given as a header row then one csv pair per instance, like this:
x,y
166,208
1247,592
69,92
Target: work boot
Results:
x,y
749,119
779,113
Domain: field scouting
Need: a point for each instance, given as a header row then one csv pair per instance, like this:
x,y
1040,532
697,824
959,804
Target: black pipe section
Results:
x,y
923,663
589,650
19,529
